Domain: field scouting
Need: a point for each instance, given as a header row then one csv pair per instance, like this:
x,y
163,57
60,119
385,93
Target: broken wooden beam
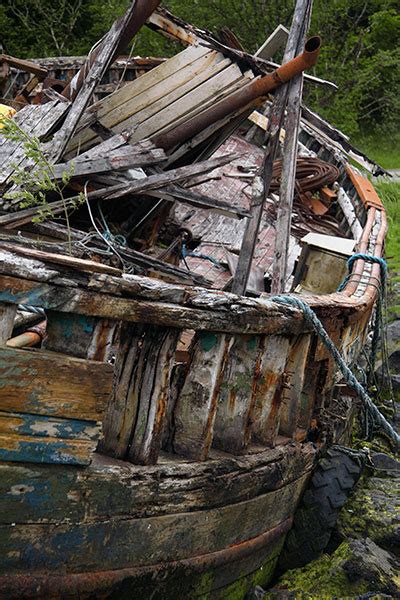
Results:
x,y
262,181
289,156
127,27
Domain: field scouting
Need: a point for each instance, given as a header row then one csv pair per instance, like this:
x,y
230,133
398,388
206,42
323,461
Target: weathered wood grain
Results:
x,y
291,395
294,46
35,449
26,424
69,333
197,403
265,417
130,94
257,317
121,411
110,488
136,542
237,395
51,384
7,317
153,390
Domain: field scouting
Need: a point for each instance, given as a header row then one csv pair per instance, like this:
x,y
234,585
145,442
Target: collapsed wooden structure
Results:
x,y
206,408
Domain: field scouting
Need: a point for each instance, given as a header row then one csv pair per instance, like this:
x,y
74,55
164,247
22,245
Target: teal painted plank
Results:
x,y
45,426
17,448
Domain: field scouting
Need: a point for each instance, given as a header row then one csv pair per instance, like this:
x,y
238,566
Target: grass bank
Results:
x,y
385,152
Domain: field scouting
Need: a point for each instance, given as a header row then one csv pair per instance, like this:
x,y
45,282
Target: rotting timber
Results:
x,y
158,439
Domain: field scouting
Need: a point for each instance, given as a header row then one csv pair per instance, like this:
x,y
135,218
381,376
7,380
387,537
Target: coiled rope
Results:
x,y
370,408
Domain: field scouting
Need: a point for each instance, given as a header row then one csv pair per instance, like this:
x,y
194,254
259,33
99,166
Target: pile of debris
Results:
x,y
149,179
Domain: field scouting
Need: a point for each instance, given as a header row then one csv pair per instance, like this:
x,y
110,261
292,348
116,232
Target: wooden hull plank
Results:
x,y
210,575
44,426
110,488
197,402
268,393
237,395
36,449
122,543
52,384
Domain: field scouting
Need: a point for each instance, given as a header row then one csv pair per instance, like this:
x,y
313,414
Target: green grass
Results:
x,y
389,192
385,151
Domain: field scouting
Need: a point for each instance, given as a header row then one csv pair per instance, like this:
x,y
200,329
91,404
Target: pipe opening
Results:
x,y
313,44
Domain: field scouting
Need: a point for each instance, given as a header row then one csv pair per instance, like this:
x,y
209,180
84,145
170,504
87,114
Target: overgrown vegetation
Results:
x,y
33,185
360,52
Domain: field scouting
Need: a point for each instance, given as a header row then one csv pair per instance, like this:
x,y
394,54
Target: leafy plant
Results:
x,y
37,179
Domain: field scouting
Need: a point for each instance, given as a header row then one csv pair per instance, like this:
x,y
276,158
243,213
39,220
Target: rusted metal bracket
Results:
x,y
365,189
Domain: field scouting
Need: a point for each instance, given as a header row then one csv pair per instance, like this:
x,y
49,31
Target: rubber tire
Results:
x,y
333,479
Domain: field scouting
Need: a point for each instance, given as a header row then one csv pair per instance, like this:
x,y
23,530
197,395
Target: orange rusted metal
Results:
x,y
362,248
31,337
365,189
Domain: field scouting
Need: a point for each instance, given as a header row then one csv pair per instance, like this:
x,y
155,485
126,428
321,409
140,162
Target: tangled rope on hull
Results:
x,y
349,377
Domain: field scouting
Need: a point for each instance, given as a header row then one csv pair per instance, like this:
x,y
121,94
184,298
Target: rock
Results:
x,y
370,563
358,569
385,463
256,593
374,511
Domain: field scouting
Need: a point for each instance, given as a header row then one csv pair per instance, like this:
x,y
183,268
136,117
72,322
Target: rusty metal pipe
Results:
x,y
241,98
141,11
362,246
31,337
24,340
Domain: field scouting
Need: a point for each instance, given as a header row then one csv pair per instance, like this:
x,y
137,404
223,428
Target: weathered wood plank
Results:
x,y
110,488
152,383
129,95
69,333
88,266
120,415
197,403
237,395
234,317
51,384
291,394
25,424
99,66
265,417
20,448
295,43
143,541
7,317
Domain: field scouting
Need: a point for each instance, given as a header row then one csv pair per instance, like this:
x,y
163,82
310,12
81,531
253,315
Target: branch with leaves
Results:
x,y
33,183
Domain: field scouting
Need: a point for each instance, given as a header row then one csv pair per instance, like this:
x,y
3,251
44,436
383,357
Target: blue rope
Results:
x,y
32,309
185,253
349,377
368,258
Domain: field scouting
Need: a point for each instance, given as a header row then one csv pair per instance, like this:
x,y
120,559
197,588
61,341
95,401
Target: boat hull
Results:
x,y
61,539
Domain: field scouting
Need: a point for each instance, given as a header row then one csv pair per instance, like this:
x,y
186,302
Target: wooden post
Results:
x,y
263,180
7,316
197,403
288,178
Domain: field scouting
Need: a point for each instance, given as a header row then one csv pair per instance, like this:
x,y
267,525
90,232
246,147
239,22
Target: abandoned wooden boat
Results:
x,y
213,405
